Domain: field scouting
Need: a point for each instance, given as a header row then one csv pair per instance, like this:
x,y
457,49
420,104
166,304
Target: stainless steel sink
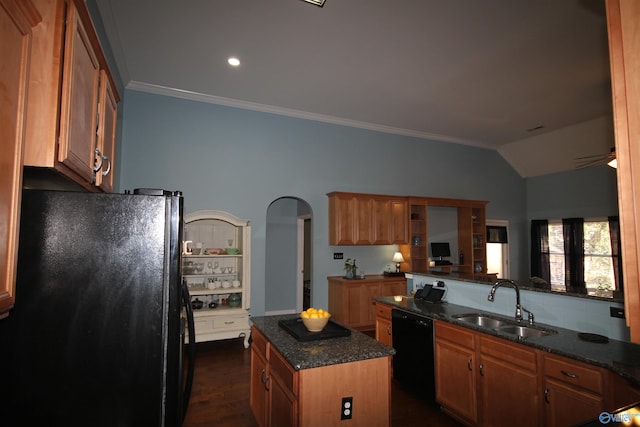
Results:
x,y
506,326
526,331
482,320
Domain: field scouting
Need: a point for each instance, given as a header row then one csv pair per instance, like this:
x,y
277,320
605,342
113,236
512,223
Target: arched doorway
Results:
x,y
288,256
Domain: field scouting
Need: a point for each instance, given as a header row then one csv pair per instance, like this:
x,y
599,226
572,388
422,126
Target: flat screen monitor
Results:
x,y
440,250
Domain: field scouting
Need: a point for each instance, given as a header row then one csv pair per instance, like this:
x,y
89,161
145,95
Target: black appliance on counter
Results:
x,y
96,337
413,363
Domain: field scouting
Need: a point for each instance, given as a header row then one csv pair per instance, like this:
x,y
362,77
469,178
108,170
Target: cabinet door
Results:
x,y
360,311
507,394
79,105
364,220
283,410
341,219
258,385
399,221
568,406
381,214
456,379
106,143
390,219
15,33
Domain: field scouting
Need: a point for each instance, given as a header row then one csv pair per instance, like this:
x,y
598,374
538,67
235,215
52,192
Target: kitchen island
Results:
x,y
318,382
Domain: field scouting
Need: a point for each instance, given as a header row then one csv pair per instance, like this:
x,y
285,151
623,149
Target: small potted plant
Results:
x,y
350,268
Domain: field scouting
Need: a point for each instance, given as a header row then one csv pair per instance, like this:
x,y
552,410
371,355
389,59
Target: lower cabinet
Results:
x,y
456,371
508,383
573,391
488,381
351,301
482,380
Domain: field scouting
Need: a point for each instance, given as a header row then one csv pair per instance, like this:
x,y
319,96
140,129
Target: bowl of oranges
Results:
x,y
315,319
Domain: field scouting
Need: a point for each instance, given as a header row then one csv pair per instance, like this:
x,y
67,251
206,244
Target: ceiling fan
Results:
x,y
597,159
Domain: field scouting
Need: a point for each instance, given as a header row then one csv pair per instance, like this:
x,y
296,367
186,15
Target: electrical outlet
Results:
x,y
347,408
338,255
617,312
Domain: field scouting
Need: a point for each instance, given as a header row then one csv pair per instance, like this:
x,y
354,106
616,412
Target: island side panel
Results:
x,y
368,382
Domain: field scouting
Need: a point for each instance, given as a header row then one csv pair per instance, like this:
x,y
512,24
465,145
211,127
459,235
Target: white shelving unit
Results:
x,y
221,281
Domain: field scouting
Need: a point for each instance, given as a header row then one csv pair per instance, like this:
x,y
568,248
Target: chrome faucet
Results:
x,y
519,307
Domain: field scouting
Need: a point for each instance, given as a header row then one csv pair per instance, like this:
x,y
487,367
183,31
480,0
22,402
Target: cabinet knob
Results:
x,y
546,395
469,365
98,160
389,330
106,172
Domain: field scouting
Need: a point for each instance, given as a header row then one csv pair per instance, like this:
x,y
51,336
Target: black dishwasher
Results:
x,y
413,363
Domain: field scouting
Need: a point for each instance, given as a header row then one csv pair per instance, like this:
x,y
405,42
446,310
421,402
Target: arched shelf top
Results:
x,y
215,214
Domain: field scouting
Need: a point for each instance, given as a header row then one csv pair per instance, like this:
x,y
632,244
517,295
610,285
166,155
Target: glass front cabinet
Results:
x,y
216,260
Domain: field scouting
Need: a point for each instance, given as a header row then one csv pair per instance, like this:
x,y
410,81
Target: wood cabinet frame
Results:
x,y
18,17
623,22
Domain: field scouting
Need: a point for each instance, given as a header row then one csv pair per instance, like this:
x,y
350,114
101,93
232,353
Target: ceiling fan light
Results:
x,y
316,2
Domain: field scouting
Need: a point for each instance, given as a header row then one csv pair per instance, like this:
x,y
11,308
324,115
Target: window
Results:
x,y
597,258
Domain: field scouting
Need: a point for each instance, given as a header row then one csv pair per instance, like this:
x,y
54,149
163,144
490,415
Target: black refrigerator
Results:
x,y
97,333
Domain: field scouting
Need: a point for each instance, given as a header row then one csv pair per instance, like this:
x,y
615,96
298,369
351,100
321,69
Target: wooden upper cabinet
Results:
x,y
17,17
106,143
342,208
72,99
367,219
79,106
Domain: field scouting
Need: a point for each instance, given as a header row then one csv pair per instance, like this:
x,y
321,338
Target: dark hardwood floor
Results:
x,y
220,395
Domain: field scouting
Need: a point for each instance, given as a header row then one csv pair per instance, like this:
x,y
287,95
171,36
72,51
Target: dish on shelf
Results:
x,y
232,251
212,251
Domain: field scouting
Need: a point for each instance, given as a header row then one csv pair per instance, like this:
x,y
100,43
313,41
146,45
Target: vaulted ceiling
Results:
x,y
523,77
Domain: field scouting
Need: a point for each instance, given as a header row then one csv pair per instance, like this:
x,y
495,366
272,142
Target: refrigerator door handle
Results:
x,y
186,300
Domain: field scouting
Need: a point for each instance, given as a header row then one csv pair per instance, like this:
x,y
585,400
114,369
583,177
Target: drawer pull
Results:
x,y
482,370
546,395
569,374
229,322
469,364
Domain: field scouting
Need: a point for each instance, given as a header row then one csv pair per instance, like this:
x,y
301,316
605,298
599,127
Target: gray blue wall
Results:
x,y
240,161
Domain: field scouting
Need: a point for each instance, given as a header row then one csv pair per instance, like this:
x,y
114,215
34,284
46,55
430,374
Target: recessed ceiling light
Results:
x,y
233,61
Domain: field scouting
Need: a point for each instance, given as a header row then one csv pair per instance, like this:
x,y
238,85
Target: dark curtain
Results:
x,y
496,234
540,266
616,252
573,233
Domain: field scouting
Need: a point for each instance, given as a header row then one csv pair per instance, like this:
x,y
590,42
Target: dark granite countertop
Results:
x,y
620,357
314,354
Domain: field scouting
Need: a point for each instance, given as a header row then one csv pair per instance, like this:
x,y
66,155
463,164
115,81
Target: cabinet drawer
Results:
x,y
283,370
456,334
259,342
574,372
230,322
383,310
515,354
